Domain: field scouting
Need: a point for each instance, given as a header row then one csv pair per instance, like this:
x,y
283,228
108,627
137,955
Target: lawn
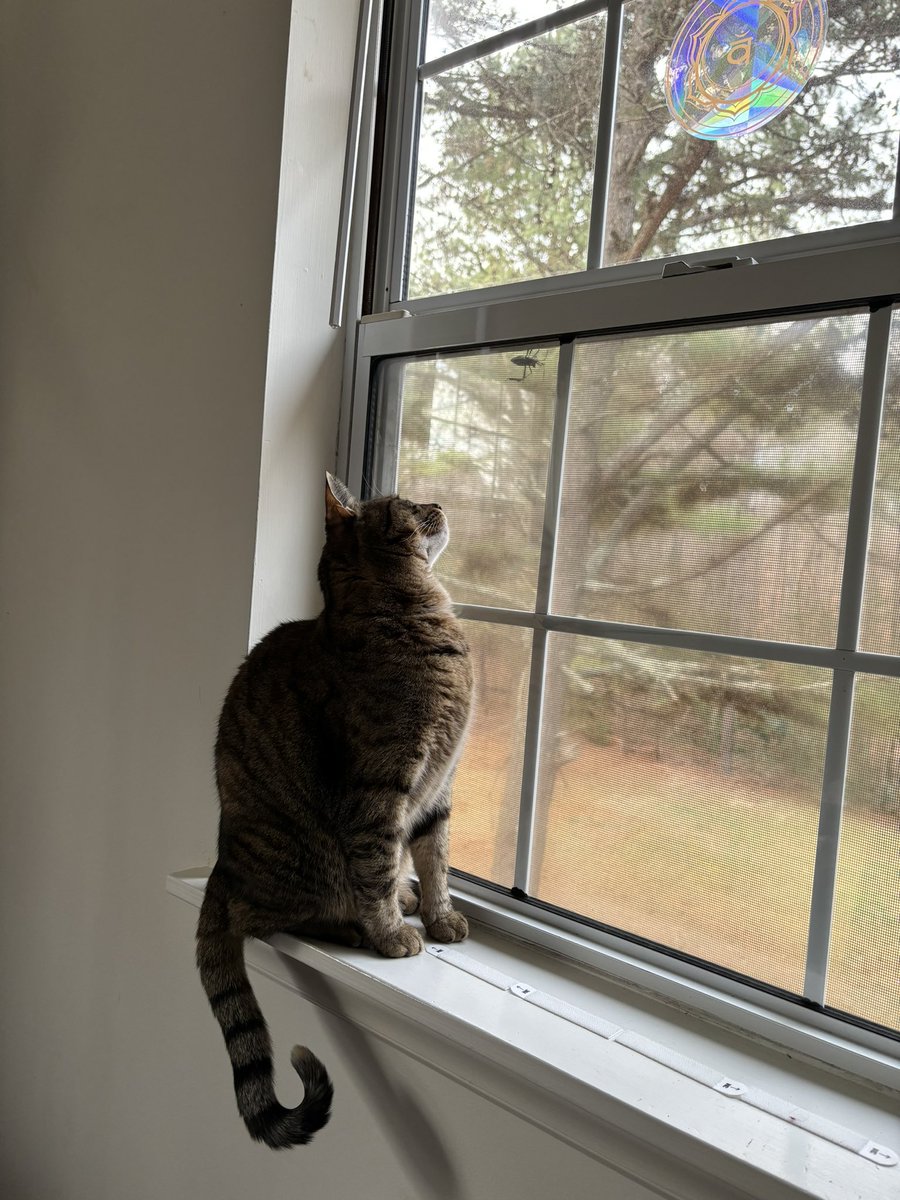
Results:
x,y
710,864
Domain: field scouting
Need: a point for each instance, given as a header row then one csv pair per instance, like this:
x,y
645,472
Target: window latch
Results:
x,y
393,314
710,264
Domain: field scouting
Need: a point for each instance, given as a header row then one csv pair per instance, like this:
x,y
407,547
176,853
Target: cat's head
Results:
x,y
386,527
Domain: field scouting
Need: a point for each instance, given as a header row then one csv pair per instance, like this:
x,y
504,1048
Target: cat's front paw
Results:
x,y
409,899
451,927
402,942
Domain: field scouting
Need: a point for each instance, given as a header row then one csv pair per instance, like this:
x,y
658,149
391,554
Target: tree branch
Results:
x,y
718,560
696,156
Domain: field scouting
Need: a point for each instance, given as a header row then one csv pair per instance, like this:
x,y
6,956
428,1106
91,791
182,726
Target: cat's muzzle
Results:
x,y
437,533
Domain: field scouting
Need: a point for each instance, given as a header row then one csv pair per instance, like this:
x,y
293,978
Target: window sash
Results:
x,y
843,660
403,114
812,273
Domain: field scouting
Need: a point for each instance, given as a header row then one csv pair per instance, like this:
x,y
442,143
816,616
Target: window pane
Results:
x,y
456,23
862,968
488,781
827,161
881,612
506,161
708,477
475,436
679,799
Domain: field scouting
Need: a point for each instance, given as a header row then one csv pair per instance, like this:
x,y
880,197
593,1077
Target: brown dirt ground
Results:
x,y
716,866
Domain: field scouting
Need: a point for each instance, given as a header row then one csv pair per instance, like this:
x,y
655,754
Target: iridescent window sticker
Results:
x,y
737,64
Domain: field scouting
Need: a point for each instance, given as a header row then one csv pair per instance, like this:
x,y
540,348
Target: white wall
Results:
x,y
140,150
305,355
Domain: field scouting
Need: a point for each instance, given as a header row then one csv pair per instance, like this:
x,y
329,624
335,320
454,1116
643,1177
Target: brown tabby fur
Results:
x,y
336,748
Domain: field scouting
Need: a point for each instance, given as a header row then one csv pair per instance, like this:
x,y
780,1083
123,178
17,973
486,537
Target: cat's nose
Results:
x,y
438,507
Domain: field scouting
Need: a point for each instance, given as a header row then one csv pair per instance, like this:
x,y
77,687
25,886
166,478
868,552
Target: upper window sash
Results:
x,y
407,72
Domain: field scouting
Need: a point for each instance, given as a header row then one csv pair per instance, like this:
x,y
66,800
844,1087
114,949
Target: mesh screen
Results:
x,y
881,611
475,435
678,799
488,782
864,964
705,486
708,476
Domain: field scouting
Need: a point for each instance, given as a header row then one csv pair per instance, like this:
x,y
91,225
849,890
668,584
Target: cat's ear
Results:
x,y
339,501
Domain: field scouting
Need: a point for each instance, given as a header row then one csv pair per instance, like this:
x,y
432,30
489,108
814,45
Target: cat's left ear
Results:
x,y
339,500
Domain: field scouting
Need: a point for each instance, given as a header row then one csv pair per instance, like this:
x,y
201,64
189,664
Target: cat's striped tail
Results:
x,y
220,958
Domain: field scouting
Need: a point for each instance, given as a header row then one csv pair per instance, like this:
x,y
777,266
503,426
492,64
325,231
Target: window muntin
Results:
x,y
608,177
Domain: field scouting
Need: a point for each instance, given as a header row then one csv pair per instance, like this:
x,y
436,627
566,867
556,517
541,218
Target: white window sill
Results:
x,y
654,1125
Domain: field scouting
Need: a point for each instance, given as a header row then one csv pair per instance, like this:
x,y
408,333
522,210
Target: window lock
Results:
x,y
680,267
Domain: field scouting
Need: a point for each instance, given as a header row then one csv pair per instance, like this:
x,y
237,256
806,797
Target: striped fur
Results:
x,y
334,758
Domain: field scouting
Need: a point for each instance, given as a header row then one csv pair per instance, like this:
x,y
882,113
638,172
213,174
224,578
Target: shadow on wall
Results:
x,y
415,1140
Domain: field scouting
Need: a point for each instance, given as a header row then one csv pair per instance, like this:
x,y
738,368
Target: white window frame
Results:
x,y
846,269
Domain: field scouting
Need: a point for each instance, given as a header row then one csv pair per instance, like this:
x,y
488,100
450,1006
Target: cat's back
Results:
x,y
284,652
273,698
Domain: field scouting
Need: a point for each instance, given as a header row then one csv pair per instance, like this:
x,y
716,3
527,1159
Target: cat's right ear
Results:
x,y
339,502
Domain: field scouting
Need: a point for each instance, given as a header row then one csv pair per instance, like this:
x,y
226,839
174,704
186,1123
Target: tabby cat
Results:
x,y
336,747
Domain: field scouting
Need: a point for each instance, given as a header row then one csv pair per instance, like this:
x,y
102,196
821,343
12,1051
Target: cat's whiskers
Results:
x,y
375,492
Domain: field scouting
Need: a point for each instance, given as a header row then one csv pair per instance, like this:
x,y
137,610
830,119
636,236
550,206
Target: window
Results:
x,y
655,381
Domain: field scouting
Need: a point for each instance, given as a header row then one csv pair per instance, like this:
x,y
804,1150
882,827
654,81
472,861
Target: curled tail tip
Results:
x,y
303,1059
317,1087
280,1128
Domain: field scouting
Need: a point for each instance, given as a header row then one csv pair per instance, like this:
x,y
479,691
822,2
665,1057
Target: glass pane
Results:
x,y
862,967
678,796
506,162
828,160
708,476
881,611
456,23
488,781
475,436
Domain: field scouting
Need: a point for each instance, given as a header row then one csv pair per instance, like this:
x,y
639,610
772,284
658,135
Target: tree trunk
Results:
x,y
635,127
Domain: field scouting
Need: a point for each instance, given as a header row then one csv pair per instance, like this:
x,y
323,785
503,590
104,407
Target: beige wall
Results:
x,y
140,155
140,150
